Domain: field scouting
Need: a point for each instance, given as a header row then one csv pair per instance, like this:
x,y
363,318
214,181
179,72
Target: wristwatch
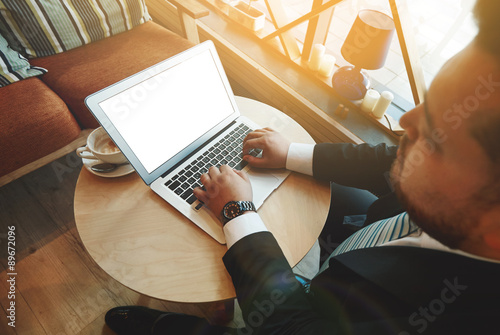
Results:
x,y
235,208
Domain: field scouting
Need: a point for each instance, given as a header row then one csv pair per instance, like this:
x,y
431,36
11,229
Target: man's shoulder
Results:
x,y
417,262
420,274
406,280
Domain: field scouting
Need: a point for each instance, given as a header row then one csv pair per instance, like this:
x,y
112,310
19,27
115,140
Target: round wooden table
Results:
x,y
145,244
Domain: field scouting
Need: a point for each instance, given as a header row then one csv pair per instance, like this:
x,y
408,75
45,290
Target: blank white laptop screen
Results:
x,y
161,116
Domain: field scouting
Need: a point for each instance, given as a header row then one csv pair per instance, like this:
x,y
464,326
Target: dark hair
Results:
x,y
485,126
487,13
485,129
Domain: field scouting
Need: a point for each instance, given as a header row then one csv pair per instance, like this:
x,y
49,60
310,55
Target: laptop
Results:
x,y
174,120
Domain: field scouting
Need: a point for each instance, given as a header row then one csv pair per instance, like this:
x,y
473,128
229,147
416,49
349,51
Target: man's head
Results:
x,y
448,167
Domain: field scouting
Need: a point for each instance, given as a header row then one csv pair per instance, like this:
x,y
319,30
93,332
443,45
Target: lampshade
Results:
x,y
365,47
369,39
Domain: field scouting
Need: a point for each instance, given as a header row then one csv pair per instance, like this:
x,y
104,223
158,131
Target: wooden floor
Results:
x,y
59,288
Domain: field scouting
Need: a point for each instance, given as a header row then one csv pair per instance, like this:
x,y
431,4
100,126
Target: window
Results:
x,y
441,28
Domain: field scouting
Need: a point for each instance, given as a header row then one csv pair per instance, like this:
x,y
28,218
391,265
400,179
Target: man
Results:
x,y
440,277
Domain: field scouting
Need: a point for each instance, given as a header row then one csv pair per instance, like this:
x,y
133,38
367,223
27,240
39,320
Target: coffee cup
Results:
x,y
101,147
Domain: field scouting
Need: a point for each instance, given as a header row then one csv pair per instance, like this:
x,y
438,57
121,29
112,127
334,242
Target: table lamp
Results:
x,y
366,47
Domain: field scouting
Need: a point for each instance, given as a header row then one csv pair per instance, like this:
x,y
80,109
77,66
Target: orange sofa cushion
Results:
x,y
35,122
77,73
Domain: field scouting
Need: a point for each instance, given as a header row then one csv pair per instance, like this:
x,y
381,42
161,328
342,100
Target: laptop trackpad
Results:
x,y
263,184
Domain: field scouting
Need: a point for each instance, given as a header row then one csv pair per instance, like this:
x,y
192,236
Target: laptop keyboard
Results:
x,y
227,151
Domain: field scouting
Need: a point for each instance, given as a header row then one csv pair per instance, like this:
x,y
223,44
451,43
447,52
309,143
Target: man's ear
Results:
x,y
493,241
491,225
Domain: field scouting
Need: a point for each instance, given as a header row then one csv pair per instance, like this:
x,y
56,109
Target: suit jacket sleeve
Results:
x,y
271,299
361,166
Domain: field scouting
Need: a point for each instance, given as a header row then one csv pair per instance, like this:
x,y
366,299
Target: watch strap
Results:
x,y
247,206
243,206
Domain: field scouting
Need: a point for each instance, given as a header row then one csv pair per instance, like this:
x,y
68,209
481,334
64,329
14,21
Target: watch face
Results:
x,y
231,210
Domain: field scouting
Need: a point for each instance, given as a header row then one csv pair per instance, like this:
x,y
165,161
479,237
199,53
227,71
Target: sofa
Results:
x,y
43,84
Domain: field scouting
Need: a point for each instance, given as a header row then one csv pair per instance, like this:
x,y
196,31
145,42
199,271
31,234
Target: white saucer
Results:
x,y
119,172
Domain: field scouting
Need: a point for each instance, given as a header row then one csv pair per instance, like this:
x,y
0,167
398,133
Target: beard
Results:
x,y
447,228
431,211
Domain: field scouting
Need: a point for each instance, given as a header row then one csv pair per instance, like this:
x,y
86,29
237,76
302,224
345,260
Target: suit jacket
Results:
x,y
381,290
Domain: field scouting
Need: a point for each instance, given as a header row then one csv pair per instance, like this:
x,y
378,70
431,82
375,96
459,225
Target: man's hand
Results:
x,y
274,148
222,186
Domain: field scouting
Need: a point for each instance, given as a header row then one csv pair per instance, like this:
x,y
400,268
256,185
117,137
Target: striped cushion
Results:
x,y
39,28
13,66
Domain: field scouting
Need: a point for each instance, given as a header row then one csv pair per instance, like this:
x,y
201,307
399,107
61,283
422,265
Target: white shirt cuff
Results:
x,y
300,158
241,226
